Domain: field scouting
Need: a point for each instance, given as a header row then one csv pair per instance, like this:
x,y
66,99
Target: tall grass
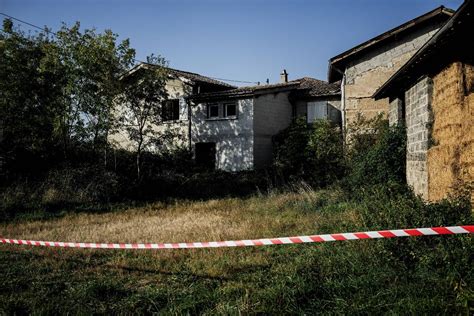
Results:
x,y
416,275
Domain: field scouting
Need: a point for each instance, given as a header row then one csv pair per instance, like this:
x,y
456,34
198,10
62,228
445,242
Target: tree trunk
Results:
x,y
138,163
105,148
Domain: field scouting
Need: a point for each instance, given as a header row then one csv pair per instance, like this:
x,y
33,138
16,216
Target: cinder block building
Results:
x,y
433,94
365,67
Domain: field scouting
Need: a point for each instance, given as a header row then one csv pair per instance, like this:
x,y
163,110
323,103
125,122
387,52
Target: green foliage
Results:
x,y
312,153
392,276
93,64
376,154
29,97
56,93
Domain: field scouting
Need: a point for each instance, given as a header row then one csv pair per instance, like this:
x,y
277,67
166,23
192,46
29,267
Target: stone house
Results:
x,y
433,94
365,67
232,130
176,111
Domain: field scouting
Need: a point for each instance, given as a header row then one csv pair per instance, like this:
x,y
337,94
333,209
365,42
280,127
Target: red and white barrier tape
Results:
x,y
451,230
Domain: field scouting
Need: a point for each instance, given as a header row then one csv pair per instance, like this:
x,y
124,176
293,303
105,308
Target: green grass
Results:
x,y
403,276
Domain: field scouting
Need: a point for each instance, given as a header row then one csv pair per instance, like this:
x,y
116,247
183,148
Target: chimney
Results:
x,y
284,76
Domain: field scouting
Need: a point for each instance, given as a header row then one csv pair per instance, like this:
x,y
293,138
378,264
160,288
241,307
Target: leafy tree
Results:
x,y
94,64
30,94
140,106
57,92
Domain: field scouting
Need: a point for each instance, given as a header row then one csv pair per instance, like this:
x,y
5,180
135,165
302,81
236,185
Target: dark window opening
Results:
x,y
212,110
206,155
230,109
170,110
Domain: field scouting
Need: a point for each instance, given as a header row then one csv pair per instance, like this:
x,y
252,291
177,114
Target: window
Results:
x,y
213,111
230,110
317,111
170,110
226,110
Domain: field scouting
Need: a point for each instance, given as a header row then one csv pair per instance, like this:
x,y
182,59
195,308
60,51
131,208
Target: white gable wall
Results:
x,y
176,89
234,138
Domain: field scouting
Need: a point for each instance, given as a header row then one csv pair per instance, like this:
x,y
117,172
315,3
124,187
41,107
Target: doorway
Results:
x,y
206,155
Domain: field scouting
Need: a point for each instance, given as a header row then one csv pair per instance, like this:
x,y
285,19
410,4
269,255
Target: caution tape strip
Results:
x,y
451,230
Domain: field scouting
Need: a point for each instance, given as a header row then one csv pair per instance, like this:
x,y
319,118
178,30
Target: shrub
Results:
x,y
376,154
310,152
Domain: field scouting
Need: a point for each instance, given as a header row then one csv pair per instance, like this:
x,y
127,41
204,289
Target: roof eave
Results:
x,y
333,62
386,90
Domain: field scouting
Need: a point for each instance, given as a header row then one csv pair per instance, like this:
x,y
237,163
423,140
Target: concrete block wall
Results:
x,y
272,113
395,114
418,119
234,137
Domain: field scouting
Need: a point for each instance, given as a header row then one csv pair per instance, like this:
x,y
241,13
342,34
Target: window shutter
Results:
x,y
183,110
317,110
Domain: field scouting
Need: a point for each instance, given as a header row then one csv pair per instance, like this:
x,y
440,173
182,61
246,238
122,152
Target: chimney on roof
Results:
x,y
284,76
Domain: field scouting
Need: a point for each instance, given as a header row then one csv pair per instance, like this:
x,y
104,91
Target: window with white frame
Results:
x,y
317,110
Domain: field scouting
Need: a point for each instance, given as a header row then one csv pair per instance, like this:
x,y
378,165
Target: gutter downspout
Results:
x,y
343,108
189,124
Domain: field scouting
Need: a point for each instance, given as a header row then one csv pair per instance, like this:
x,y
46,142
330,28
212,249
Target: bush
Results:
x,y
376,154
310,152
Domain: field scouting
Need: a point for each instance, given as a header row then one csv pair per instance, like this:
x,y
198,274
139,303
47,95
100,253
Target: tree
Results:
x,y
57,91
30,93
94,64
141,100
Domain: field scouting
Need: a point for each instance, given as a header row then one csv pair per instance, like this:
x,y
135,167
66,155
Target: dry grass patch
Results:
x,y
178,222
360,277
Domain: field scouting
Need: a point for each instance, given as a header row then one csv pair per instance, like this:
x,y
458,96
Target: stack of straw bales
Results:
x,y
451,157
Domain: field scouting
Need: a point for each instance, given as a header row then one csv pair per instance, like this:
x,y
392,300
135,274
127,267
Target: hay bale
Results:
x,y
451,161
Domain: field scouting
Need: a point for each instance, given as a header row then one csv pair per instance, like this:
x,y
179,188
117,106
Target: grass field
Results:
x,y
420,275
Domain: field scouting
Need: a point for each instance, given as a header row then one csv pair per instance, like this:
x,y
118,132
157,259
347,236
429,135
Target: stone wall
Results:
x,y
418,118
234,137
395,112
365,75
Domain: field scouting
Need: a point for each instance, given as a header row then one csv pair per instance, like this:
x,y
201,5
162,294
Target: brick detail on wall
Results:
x,y
418,119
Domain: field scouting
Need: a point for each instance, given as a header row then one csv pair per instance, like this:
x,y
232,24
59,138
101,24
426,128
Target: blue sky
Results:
x,y
242,40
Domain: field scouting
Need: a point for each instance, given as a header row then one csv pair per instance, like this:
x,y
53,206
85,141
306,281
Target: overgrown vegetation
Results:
x,y
404,275
375,154
63,181
310,152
